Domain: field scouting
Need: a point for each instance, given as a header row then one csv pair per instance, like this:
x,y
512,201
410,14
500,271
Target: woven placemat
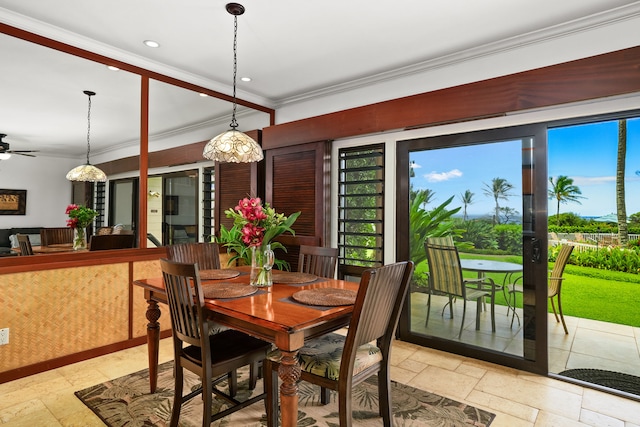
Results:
x,y
292,277
218,274
326,296
227,290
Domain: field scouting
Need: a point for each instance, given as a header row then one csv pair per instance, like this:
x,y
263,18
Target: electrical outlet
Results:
x,y
4,336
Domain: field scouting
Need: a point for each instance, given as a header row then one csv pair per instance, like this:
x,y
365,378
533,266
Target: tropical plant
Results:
x,y
467,199
428,223
499,190
255,225
563,191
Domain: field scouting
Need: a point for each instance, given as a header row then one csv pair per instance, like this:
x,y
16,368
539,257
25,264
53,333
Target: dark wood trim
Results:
x,y
36,368
82,53
20,264
143,164
609,74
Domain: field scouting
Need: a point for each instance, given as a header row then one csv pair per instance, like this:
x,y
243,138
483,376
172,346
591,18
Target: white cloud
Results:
x,y
442,176
592,180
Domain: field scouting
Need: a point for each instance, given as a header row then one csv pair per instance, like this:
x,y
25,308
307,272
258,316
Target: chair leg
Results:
x,y
493,311
207,391
344,407
177,396
426,323
464,315
384,395
232,379
325,395
271,389
254,373
564,325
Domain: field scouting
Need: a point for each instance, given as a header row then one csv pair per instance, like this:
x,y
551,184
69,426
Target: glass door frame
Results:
x,y
535,342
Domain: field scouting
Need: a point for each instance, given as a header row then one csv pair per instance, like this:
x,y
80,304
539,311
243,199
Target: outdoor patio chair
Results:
x,y
445,277
25,245
555,286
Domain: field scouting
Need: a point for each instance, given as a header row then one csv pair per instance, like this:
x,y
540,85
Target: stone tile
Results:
x,y
412,365
577,360
532,393
612,328
471,370
626,410
403,376
84,418
22,410
494,404
618,347
444,382
506,420
437,358
548,419
598,420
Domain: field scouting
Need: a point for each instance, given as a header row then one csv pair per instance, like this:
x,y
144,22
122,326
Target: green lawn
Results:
x,y
588,293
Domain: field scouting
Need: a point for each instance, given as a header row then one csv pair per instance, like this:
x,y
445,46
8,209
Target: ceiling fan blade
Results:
x,y
22,151
22,154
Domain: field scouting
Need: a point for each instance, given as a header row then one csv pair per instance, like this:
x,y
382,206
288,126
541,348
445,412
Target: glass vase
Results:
x,y
262,259
79,238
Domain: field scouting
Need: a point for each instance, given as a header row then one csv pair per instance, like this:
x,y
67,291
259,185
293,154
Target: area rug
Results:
x,y
615,380
126,401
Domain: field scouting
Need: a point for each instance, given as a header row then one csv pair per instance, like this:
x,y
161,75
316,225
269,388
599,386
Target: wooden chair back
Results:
x,y
25,245
445,272
380,297
111,241
56,235
186,302
206,255
318,260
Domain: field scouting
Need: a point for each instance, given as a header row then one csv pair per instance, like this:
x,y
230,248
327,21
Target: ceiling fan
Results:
x,y
4,149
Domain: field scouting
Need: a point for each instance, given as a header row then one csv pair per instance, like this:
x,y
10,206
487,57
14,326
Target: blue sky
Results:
x,y
586,153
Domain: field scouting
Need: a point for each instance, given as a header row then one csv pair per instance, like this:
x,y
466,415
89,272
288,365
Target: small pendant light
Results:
x,y
87,172
233,146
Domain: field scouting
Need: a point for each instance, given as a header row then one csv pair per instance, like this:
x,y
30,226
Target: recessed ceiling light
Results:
x,y
151,43
245,79
112,68
203,94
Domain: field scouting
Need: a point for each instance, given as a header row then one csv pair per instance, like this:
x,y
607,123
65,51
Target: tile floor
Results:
x,y
518,398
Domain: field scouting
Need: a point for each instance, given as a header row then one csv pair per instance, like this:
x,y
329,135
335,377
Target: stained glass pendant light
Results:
x,y
233,146
87,172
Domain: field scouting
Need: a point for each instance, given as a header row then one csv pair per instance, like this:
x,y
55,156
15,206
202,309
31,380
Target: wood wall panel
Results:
x,y
296,181
609,74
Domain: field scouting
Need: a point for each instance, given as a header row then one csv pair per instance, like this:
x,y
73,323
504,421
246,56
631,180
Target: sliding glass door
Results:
x,y
478,189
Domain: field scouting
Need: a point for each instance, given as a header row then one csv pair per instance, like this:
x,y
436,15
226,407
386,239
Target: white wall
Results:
x,y
48,191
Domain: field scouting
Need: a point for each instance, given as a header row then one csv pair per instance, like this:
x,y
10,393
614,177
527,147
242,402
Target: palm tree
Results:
x,y
623,231
563,191
467,199
499,190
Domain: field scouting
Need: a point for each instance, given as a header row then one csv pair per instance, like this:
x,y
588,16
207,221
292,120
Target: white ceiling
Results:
x,y
291,49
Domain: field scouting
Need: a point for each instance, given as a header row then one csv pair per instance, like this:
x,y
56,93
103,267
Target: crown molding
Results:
x,y
588,23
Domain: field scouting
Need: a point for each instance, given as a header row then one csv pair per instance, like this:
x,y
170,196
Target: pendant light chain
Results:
x,y
88,129
234,123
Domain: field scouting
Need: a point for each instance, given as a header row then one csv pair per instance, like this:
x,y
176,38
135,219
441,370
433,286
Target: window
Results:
x,y
360,209
208,203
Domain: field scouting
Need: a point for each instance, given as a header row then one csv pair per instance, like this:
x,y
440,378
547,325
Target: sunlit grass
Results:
x,y
588,293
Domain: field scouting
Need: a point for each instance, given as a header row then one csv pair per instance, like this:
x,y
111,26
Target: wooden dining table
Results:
x,y
271,314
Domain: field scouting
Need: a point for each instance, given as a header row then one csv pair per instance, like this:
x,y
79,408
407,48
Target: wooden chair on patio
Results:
x,y
56,235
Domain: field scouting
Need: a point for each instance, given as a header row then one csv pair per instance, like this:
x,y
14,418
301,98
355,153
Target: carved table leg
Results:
x,y
289,373
153,342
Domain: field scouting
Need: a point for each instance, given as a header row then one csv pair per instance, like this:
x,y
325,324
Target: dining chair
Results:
x,y
445,277
25,245
111,241
210,356
318,260
554,286
339,363
56,235
206,255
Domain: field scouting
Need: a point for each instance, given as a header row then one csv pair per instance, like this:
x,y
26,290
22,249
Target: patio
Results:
x,y
589,344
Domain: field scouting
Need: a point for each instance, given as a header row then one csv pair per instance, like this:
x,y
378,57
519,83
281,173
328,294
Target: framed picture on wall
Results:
x,y
171,205
13,202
